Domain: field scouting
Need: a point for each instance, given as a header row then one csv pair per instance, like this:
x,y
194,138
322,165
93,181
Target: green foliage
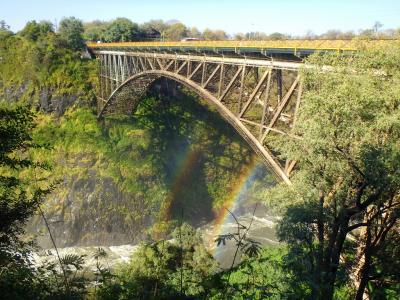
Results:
x,y
38,72
137,158
157,25
261,277
21,279
3,25
19,197
33,30
143,157
111,153
176,32
70,31
385,266
297,228
214,35
348,164
121,30
5,31
277,36
94,31
181,268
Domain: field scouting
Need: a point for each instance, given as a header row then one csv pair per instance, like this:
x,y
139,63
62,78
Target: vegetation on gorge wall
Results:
x,y
131,171
128,170
38,69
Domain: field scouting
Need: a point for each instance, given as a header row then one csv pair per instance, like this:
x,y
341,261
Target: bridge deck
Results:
x,y
268,47
206,59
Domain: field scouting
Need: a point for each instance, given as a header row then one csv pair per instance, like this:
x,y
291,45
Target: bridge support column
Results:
x,y
279,83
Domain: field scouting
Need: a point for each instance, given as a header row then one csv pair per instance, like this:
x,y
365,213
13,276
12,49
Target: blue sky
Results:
x,y
286,16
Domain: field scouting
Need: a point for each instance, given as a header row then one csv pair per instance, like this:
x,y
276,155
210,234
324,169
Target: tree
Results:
x,y
239,36
220,35
383,269
397,33
348,160
377,25
260,277
176,32
377,252
20,196
332,34
121,30
348,35
154,25
3,25
94,31
310,35
194,32
17,200
207,34
214,35
33,30
158,25
70,31
4,30
277,36
366,33
166,270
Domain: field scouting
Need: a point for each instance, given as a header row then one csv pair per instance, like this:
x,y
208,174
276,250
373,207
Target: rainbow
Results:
x,y
184,167
235,197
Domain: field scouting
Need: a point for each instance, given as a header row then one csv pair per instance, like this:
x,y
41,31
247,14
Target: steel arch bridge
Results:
x,y
259,94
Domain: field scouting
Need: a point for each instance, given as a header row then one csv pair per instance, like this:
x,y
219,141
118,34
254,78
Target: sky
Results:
x,y
293,17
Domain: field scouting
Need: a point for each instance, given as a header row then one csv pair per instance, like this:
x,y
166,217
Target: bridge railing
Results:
x,y
335,45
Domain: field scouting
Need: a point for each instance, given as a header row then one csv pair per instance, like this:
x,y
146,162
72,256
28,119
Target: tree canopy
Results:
x,y
166,270
94,31
121,30
20,196
4,30
70,31
348,159
33,30
176,31
214,35
17,201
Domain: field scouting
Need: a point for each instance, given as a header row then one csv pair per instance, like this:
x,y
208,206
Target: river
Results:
x,y
261,230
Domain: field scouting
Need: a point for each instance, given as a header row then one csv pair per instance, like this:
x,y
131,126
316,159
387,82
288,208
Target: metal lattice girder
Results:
x,y
258,97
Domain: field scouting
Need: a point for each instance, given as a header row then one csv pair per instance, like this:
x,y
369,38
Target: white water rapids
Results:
x,y
261,230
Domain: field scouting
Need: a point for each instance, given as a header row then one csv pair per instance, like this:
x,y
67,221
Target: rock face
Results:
x,y
57,104
15,93
90,211
46,99
83,210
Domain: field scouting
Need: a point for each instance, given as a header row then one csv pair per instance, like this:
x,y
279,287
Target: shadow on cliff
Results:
x,y
191,146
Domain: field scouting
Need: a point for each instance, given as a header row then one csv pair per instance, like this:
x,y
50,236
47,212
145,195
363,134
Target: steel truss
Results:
x,y
259,98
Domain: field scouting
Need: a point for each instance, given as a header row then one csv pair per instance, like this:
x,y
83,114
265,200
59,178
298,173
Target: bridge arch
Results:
x,y
144,80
